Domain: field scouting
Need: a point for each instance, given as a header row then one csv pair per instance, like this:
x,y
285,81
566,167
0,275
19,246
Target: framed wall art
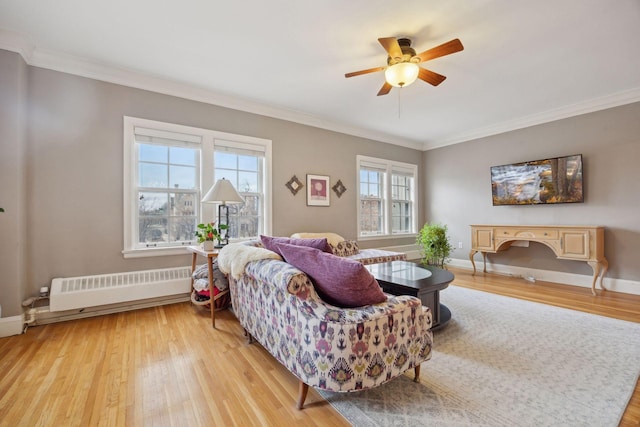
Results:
x,y
318,193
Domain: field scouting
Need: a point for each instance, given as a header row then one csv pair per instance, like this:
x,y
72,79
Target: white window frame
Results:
x,y
388,166
206,211
235,145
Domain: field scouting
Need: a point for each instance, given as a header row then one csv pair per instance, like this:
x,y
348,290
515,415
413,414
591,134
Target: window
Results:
x,y
245,169
167,170
387,201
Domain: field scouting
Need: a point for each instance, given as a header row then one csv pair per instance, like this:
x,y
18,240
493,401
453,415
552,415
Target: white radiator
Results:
x,y
91,291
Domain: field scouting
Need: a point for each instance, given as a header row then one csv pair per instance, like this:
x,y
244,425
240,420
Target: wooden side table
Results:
x,y
209,255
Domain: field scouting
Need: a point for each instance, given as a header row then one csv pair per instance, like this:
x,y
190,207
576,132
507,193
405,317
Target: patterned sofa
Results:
x,y
349,249
327,347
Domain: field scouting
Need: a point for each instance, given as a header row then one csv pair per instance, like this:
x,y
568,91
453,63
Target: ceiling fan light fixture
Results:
x,y
401,74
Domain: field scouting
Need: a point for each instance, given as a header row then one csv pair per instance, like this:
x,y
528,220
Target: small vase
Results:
x,y
207,245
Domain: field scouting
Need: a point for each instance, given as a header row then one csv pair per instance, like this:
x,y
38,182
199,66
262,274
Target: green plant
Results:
x,y
209,232
434,244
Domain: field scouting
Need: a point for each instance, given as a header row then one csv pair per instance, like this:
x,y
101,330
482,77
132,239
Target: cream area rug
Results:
x,y
507,362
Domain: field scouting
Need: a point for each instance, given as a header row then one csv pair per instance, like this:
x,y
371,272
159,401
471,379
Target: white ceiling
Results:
x,y
525,62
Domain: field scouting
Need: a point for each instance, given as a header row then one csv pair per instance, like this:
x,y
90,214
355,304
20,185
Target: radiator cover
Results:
x,y
91,291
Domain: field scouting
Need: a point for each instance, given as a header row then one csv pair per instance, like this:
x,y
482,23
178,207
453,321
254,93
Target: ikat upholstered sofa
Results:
x,y
349,249
325,346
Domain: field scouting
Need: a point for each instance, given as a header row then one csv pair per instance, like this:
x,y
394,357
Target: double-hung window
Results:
x,y
387,199
243,165
167,170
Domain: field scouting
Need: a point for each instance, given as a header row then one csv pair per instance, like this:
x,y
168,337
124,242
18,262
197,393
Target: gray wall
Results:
x,y
73,157
458,193
61,178
13,100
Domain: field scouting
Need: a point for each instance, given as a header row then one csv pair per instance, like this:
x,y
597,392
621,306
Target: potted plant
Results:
x,y
434,244
207,233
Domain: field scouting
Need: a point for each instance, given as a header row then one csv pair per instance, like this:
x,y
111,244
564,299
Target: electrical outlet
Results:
x,y
459,245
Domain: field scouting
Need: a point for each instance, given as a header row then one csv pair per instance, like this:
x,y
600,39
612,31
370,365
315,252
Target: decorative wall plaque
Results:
x,y
339,188
294,185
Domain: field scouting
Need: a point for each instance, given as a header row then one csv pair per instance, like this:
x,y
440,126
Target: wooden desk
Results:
x,y
582,243
209,255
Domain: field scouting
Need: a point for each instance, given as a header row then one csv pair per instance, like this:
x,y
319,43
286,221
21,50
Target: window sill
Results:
x,y
388,236
152,252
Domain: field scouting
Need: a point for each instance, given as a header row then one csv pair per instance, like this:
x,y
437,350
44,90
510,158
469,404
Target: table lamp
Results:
x,y
223,193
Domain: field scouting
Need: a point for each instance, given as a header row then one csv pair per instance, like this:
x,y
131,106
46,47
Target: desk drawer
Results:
x,y
527,233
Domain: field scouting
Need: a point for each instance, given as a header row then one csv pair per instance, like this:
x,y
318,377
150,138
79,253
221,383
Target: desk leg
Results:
x,y
595,265
605,265
600,268
471,254
211,301
193,268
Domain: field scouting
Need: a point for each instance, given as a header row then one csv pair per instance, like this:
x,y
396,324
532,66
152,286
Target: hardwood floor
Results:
x,y
167,366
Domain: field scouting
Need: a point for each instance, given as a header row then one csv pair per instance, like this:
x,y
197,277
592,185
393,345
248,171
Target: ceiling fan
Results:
x,y
402,63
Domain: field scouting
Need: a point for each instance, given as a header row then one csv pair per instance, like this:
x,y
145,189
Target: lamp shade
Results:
x,y
222,192
401,74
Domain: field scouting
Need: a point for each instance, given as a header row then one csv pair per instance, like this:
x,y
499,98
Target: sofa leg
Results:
x,y
249,337
302,393
416,378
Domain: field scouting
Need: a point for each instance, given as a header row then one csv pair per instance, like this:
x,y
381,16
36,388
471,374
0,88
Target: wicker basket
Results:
x,y
220,301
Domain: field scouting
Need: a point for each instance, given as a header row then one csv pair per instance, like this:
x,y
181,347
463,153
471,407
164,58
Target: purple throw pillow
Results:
x,y
271,243
339,281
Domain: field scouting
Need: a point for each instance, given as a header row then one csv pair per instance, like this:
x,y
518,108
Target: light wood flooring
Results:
x,y
167,366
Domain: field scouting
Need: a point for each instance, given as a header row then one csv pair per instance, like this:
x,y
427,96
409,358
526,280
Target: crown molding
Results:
x,y
590,106
61,62
82,67
18,43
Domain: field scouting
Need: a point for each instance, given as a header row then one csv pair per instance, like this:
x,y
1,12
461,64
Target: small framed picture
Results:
x,y
318,190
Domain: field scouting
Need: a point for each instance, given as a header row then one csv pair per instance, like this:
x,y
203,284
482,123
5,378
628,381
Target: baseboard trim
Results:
x,y
610,283
44,316
11,326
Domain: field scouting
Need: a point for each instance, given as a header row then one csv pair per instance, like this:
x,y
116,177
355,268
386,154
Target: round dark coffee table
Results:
x,y
422,281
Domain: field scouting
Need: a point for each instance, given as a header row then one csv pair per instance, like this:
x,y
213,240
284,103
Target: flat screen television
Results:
x,y
546,181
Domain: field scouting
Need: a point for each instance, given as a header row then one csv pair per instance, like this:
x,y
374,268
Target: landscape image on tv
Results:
x,y
555,180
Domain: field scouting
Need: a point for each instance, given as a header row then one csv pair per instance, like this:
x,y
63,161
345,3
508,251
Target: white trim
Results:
x,y
207,138
611,283
253,144
387,167
579,108
44,315
18,43
11,326
152,252
58,61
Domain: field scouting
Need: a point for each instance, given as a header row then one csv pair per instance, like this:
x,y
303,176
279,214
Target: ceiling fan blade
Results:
x,y
430,77
385,89
390,44
359,73
447,48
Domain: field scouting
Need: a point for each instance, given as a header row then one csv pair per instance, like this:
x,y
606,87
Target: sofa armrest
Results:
x,y
279,274
375,256
315,308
